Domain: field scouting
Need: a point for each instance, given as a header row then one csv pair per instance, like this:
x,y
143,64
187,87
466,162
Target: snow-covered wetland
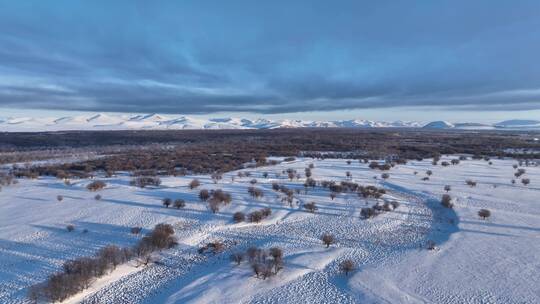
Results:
x,y
414,250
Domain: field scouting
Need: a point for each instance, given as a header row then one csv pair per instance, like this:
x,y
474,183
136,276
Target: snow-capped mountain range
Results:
x,y
161,122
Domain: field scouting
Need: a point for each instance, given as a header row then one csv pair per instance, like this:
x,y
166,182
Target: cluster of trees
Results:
x,y
377,165
255,192
311,207
370,212
177,203
519,173
192,151
212,247
291,174
254,217
264,263
96,185
144,181
289,193
215,198
77,275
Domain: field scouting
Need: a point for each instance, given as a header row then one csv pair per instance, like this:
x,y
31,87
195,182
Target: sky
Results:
x,y
385,60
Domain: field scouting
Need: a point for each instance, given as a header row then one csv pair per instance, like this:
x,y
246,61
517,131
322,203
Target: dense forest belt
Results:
x,y
206,151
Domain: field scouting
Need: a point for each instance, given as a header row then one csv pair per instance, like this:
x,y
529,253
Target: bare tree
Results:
x,y
239,217
447,188
484,213
194,184
237,257
311,207
327,239
179,203
96,185
204,195
347,266
216,177
446,201
167,202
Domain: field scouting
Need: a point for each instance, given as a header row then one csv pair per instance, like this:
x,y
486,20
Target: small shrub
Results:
x,y
471,183
447,188
143,181
429,172
97,197
59,198
525,181
385,175
70,228
394,204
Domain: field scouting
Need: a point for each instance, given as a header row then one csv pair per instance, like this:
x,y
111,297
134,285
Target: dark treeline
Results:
x,y
207,151
78,274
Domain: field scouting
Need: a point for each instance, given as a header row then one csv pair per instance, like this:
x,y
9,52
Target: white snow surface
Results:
x,y
476,261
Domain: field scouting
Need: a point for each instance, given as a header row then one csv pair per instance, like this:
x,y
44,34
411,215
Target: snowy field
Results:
x,y
496,260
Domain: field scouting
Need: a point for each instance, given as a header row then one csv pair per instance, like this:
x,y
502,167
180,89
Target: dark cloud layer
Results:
x,y
272,57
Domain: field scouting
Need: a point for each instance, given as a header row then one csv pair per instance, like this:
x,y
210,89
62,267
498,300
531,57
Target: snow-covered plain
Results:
x,y
476,261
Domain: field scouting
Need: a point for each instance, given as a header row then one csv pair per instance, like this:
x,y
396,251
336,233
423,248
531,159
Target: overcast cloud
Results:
x,y
272,57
